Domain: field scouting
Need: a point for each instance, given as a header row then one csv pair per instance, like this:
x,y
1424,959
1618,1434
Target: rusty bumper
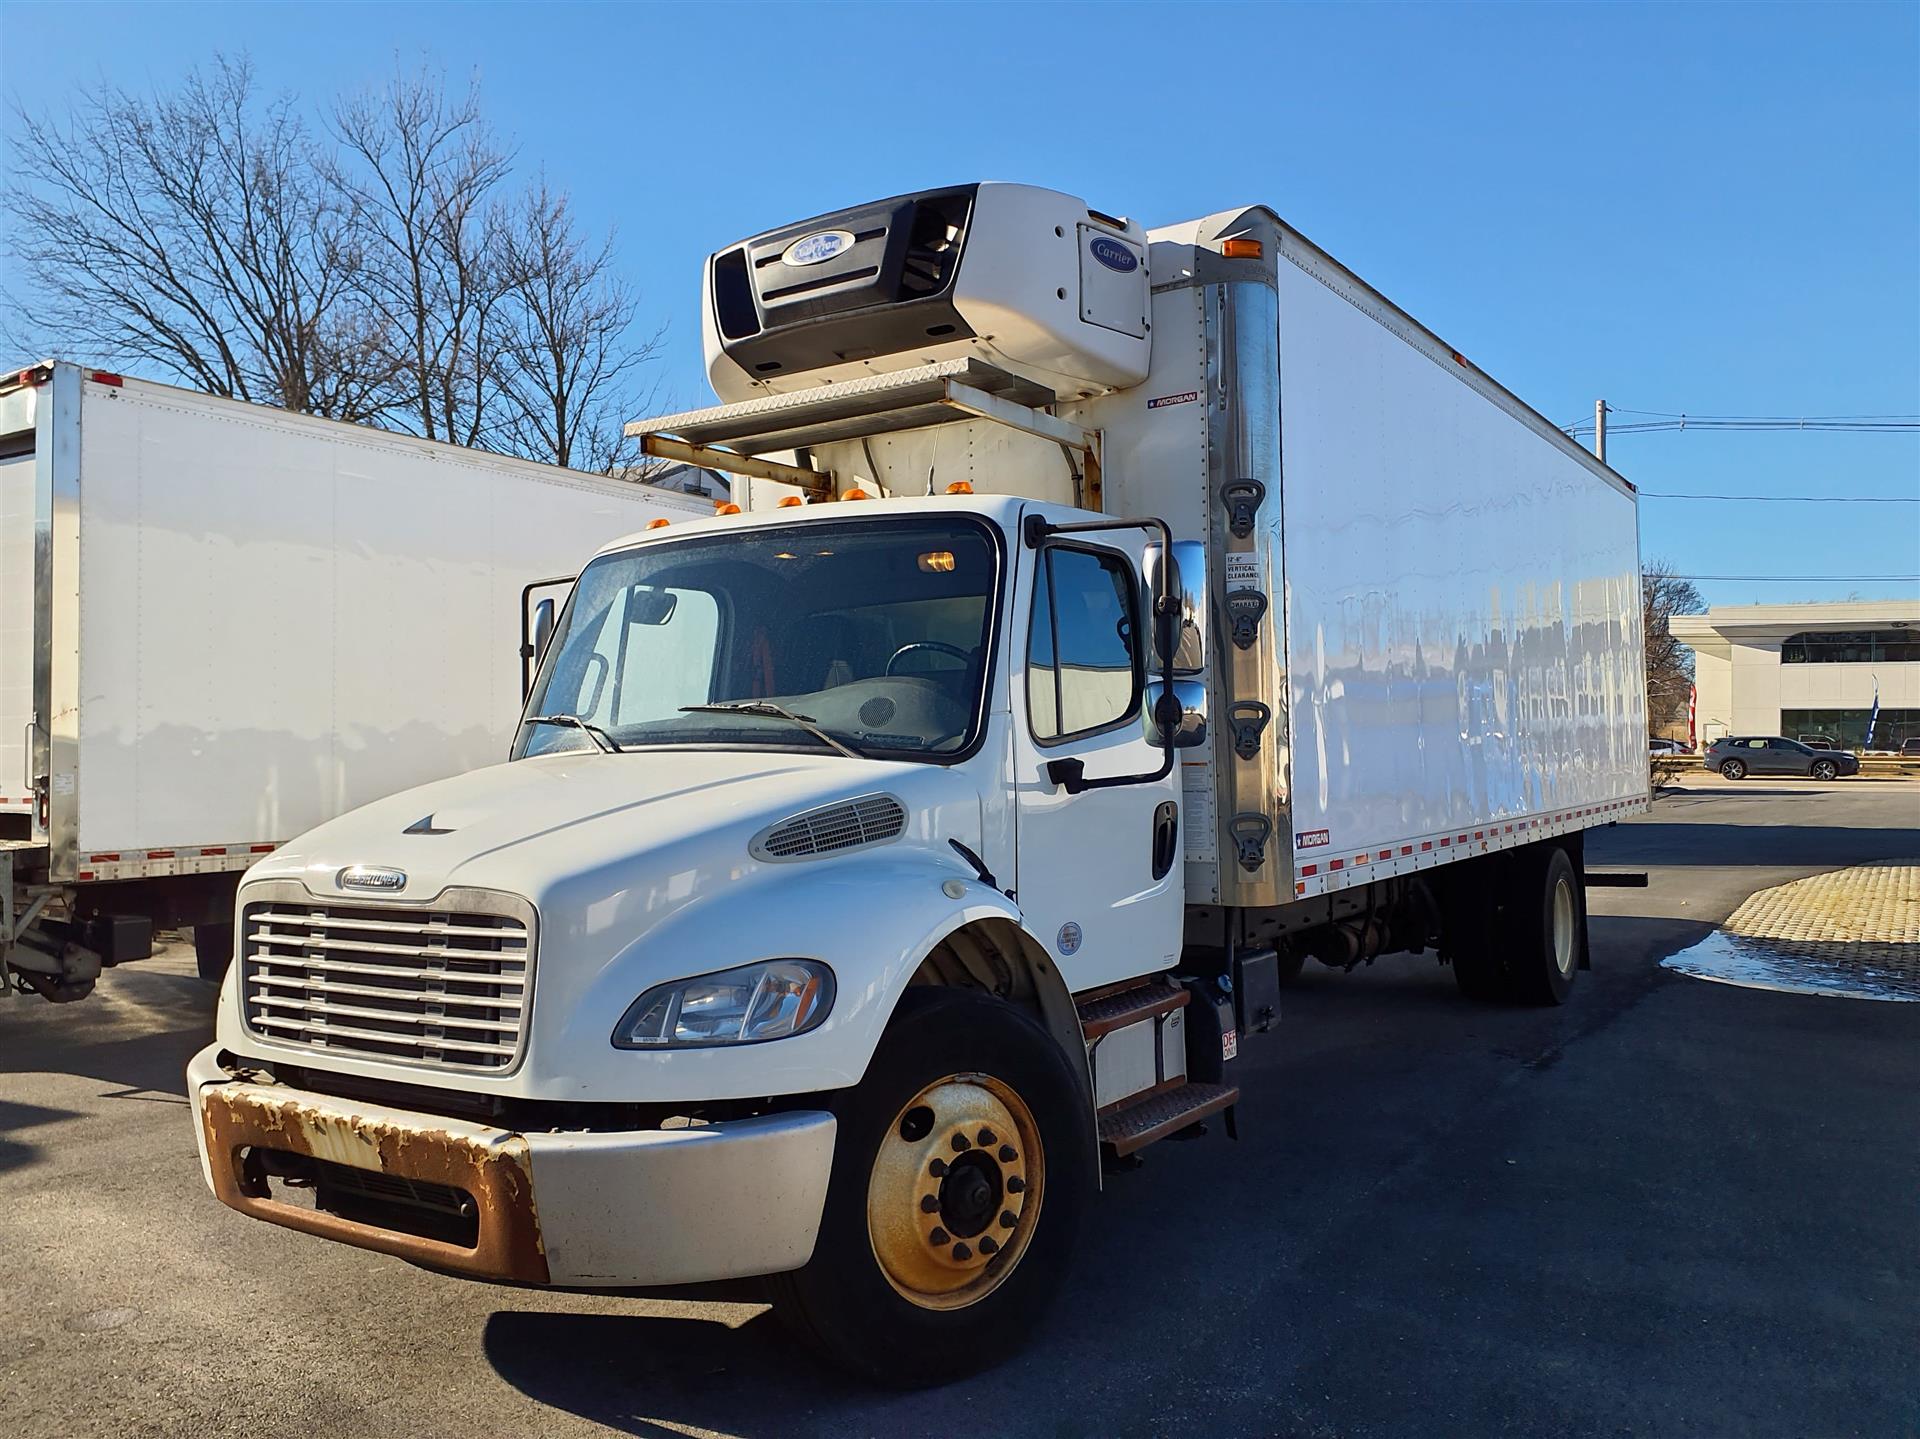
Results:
x,y
491,1165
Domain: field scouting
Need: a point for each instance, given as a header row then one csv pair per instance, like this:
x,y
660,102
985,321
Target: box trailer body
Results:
x,y
221,624
1112,620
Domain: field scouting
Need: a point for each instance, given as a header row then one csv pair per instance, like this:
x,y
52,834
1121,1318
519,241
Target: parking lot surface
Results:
x,y
1670,1207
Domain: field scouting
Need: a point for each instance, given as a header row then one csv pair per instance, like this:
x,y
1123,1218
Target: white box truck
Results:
x,y
221,624
1113,621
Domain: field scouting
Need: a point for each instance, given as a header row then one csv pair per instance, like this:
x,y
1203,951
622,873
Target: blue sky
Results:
x,y
1708,209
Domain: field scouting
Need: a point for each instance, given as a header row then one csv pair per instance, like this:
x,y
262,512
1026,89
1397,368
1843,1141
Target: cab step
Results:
x,y
1128,1127
1107,1010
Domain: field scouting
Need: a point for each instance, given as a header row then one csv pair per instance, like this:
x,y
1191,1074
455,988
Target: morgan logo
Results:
x,y
369,876
1312,839
817,248
1113,254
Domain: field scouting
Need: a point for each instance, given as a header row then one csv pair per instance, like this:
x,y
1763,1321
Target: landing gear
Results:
x,y
961,1167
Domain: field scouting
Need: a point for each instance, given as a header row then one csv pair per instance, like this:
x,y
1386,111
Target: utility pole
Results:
x,y
1600,431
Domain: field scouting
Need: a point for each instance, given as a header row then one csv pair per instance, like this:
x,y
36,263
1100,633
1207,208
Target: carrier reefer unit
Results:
x,y
221,624
1110,620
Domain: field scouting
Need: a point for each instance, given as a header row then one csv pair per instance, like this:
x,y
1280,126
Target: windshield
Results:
x,y
875,632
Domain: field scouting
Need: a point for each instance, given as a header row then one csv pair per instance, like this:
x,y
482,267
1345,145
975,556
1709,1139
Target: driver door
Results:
x,y
1099,874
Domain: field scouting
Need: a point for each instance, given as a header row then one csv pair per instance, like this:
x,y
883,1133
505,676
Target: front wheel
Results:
x,y
1733,769
962,1163
1825,769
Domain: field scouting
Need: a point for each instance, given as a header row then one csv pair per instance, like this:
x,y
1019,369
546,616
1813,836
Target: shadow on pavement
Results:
x,y
1685,844
660,1376
14,1117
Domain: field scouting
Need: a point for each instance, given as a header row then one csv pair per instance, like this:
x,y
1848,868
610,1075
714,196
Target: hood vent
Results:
x,y
833,829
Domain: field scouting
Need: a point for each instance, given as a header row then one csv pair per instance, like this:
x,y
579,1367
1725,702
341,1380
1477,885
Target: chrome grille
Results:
x,y
871,819
447,986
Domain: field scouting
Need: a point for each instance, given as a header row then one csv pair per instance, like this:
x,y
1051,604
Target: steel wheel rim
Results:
x,y
950,1221
1563,925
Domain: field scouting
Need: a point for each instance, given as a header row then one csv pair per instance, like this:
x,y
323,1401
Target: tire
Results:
x,y
1733,769
1825,769
1545,929
1468,920
919,1316
212,950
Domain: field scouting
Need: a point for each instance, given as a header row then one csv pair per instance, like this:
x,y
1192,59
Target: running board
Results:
x,y
1137,1124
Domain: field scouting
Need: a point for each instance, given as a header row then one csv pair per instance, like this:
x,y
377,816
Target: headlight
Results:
x,y
755,1002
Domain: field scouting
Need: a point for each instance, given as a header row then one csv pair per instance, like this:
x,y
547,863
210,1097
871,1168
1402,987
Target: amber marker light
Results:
x,y
658,524
856,494
728,508
789,501
1242,249
937,562
960,487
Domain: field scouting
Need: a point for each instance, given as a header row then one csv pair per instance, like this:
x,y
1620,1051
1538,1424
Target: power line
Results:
x,y
1786,499
1808,579
1895,426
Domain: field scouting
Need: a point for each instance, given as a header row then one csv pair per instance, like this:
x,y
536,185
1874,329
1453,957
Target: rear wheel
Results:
x,y
1824,769
1733,769
962,1163
1545,929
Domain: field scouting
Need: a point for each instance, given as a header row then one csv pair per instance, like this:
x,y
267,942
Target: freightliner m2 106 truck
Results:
x,y
1113,621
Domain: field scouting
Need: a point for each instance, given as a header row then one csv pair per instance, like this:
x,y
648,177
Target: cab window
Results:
x,y
1084,670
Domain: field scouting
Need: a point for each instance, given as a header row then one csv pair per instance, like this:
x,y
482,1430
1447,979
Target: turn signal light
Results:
x,y
658,524
960,487
1242,249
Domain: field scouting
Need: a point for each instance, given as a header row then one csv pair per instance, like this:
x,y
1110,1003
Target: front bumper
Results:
x,y
636,1207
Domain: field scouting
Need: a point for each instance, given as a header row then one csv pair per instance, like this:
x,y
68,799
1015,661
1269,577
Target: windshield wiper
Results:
x,y
767,709
606,742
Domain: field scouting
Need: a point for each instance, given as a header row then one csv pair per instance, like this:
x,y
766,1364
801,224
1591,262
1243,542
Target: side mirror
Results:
x,y
542,628
1180,712
1185,578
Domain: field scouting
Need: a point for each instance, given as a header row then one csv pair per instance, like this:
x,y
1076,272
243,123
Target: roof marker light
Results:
x,y
960,487
789,501
659,524
726,507
1242,249
856,494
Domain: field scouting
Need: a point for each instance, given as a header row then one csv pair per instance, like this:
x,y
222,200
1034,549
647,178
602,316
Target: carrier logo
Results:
x,y
369,876
1311,839
1113,254
818,247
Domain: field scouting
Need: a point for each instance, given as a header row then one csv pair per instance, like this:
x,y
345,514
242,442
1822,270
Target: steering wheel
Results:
x,y
964,656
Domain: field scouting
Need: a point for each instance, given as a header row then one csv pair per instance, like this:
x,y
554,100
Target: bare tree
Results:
x,y
571,356
191,233
1663,594
420,169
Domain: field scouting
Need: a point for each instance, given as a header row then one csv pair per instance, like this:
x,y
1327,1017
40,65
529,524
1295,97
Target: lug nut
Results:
x,y
939,1236
938,1168
1016,1185
960,1251
960,1144
1007,1155
988,1139
929,1204
987,1245
1007,1221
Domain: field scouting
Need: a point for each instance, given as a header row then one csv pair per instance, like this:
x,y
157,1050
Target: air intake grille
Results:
x,y
871,819
447,987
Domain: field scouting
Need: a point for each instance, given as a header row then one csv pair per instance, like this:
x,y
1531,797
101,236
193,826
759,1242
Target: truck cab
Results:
x,y
879,859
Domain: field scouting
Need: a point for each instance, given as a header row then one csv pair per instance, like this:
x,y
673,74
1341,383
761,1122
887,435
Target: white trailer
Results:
x,y
221,624
1114,621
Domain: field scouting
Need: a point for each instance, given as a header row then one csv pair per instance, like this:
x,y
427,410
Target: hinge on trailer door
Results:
x,y
1245,609
1247,718
1242,499
1249,833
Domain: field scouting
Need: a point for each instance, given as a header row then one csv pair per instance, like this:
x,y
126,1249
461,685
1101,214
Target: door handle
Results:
x,y
1166,837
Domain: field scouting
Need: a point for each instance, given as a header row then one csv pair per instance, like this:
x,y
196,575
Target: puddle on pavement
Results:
x,y
1789,967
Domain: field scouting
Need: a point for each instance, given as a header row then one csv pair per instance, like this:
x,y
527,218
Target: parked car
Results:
x,y
1667,746
1819,741
1910,749
1738,756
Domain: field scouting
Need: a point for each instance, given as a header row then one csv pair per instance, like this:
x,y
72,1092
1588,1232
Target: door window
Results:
x,y
1083,663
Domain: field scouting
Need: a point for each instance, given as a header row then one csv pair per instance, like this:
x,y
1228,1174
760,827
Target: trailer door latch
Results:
x,y
1247,718
1242,499
1244,609
1249,834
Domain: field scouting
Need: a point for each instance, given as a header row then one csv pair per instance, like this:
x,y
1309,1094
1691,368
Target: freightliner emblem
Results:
x,y
371,876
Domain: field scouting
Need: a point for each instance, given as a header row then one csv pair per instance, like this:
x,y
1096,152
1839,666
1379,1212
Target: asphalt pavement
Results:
x,y
1670,1207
